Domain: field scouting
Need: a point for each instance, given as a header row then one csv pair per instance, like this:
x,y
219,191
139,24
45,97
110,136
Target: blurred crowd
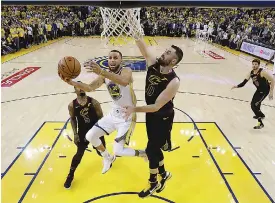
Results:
x,y
25,26
228,27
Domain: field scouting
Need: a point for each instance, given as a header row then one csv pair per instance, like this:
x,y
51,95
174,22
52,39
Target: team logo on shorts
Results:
x,y
114,91
136,63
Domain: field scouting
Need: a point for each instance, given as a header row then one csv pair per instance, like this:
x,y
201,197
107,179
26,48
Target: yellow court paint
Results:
x,y
242,182
23,51
196,176
15,182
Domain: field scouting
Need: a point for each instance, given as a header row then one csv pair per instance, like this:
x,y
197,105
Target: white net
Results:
x,y
121,25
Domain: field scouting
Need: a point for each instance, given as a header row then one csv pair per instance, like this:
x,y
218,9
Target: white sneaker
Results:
x,y
107,163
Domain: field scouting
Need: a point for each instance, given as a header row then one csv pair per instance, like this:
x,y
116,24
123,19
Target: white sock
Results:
x,y
120,150
127,152
105,154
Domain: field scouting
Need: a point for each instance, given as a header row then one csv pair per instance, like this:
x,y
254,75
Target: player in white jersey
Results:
x,y
272,57
119,82
198,27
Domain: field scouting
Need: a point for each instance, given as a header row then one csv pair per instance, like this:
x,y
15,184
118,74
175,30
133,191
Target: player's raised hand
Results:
x,y
67,80
93,67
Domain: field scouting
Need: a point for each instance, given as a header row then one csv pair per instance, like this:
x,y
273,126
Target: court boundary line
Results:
x,y
26,145
42,163
65,125
212,156
30,140
126,193
246,165
23,148
139,90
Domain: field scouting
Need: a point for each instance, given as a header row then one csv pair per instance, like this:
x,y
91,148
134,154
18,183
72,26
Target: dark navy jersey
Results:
x,y
260,82
86,115
156,82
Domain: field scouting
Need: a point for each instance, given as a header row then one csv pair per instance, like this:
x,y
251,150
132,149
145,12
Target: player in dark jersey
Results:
x,y
264,84
162,84
84,112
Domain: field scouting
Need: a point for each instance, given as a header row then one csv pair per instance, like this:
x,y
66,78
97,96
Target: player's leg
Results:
x,y
124,133
103,143
104,126
75,162
255,108
167,124
257,99
154,154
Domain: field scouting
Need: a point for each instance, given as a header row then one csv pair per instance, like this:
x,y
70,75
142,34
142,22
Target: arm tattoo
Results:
x,y
98,109
73,119
74,125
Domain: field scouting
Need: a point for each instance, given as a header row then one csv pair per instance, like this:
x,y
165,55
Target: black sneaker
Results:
x,y
68,182
259,126
163,181
150,189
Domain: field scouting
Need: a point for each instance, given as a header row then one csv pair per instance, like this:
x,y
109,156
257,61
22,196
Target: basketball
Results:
x,y
69,67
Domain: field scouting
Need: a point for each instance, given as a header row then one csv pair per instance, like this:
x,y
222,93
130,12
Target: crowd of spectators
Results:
x,y
228,27
25,26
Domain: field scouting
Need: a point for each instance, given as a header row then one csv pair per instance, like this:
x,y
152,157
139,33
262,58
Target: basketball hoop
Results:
x,y
120,25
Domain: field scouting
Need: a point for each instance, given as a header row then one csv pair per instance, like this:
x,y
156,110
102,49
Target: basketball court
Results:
x,y
218,157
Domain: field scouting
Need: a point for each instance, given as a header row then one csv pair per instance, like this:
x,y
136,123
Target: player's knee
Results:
x,y
151,151
93,136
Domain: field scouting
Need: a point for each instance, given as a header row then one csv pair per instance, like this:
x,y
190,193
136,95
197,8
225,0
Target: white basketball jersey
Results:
x,y
122,96
198,25
205,27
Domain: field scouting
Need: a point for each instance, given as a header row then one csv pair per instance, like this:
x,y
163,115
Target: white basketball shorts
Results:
x,y
114,121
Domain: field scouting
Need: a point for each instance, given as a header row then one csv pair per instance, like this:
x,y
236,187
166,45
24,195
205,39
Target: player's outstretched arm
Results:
x,y
144,50
87,87
242,83
122,79
167,95
272,82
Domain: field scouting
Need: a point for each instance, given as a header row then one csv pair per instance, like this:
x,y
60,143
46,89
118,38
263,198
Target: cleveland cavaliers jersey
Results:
x,y
260,82
86,115
122,96
156,82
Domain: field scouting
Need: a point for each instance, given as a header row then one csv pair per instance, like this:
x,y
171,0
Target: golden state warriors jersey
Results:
x,y
122,96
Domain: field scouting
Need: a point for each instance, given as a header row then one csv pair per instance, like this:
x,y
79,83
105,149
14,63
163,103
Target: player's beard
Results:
x,y
114,69
162,62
